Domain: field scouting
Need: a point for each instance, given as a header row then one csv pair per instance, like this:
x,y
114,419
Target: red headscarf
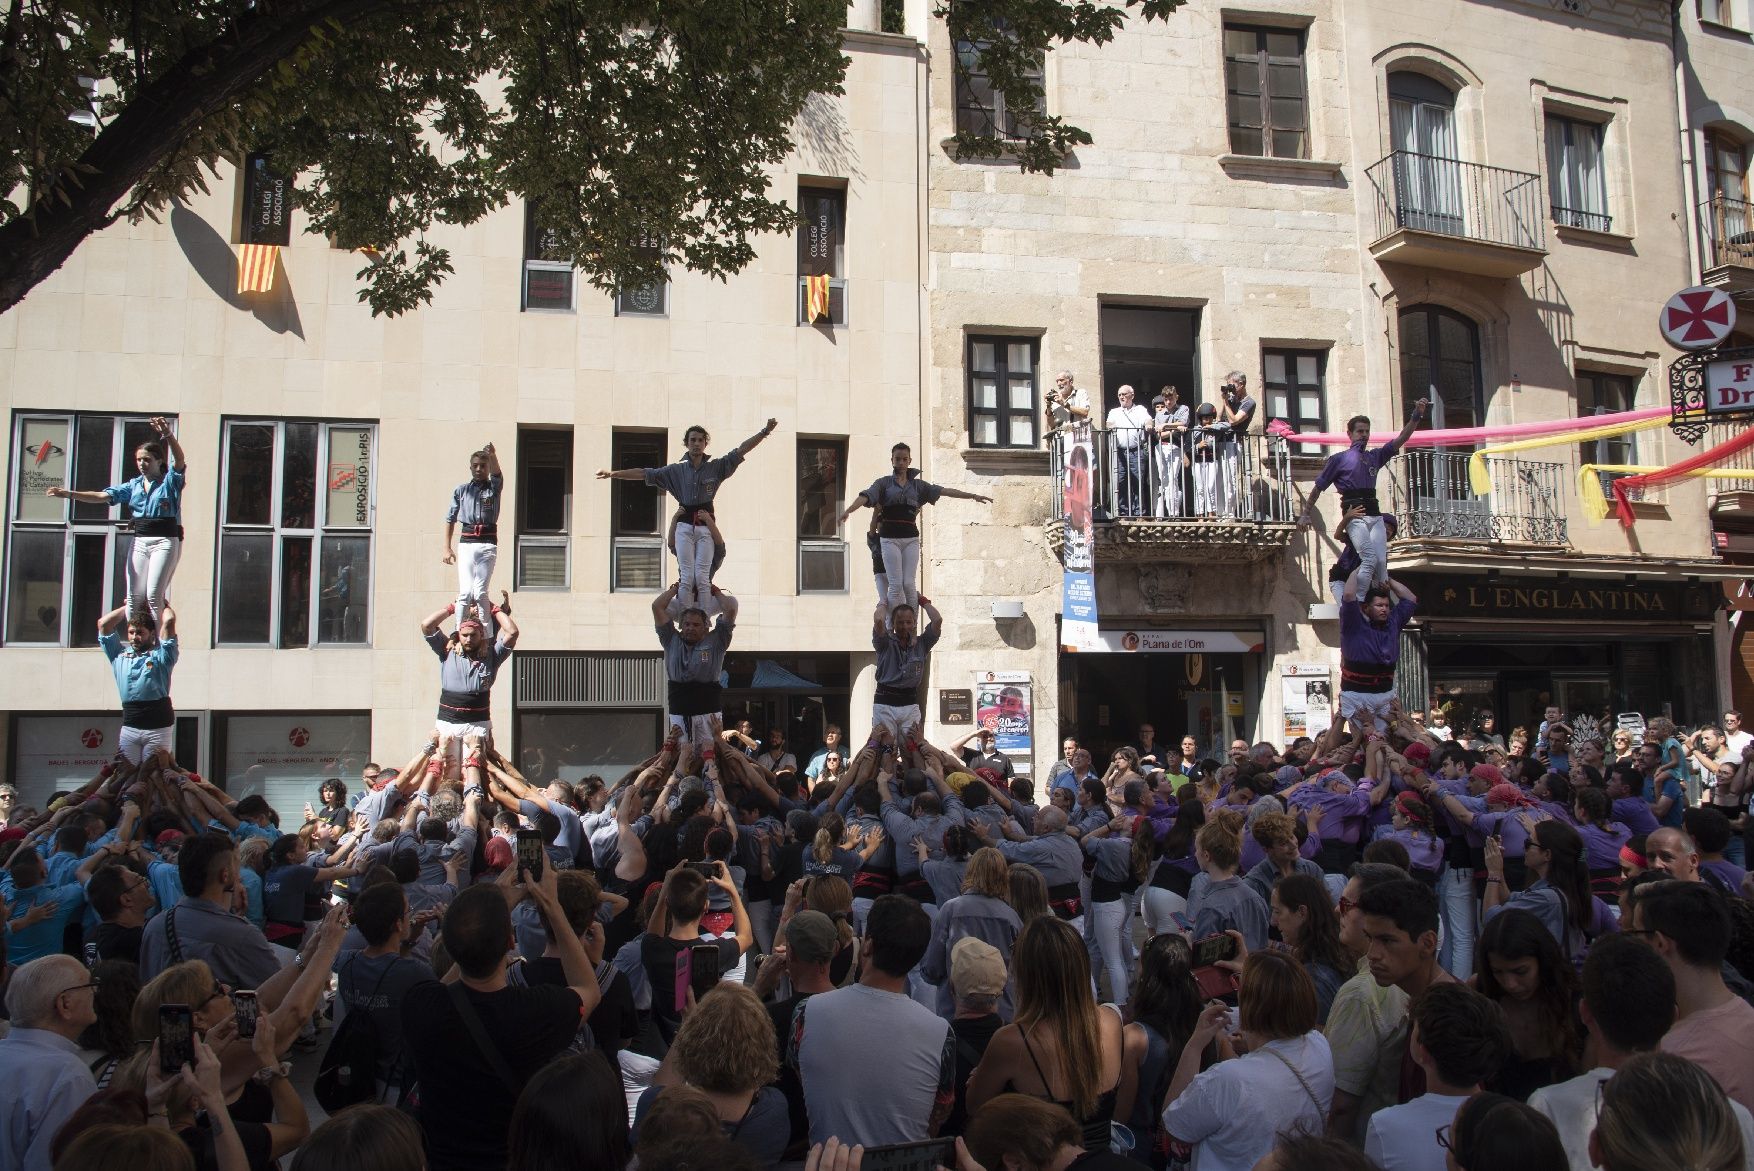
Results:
x,y
1508,795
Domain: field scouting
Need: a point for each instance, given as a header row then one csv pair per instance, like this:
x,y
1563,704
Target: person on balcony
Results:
x,y
1236,408
1128,426
1354,471
1208,434
1370,648
897,499
1170,422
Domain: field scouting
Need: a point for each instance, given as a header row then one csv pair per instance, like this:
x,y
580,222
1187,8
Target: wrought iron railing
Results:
x,y
1729,231
1453,198
1593,221
1434,499
1190,476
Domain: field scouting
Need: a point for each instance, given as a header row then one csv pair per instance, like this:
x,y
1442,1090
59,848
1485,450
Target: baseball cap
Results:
x,y
812,937
976,968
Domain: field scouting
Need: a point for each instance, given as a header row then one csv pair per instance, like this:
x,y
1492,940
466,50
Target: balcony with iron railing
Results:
x,y
1433,500
1462,217
1728,228
1219,497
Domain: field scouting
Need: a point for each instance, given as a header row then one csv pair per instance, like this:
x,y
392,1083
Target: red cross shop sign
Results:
x,y
1698,318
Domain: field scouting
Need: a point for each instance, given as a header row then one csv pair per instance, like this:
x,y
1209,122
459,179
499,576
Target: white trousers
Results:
x,y
475,562
901,570
1207,495
152,562
696,729
1371,539
136,744
897,721
694,564
1168,458
1107,924
1374,704
1230,479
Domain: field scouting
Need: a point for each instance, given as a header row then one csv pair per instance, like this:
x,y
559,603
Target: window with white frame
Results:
x,y
1003,408
1577,177
650,298
296,512
66,561
544,508
638,517
548,274
822,482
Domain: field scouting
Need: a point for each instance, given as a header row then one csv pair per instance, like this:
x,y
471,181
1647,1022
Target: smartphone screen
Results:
x,y
1212,949
244,1005
921,1156
705,869
684,976
176,1037
338,892
706,968
530,853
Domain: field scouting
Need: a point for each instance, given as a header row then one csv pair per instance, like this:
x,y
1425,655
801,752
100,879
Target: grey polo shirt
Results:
x,y
230,944
901,668
476,503
1056,855
700,662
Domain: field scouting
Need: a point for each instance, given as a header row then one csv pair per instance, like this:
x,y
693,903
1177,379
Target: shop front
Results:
x,y
1593,647
1183,681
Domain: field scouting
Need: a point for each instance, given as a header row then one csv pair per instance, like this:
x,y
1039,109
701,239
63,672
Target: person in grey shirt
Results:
x,y
202,927
694,480
982,911
1056,854
694,659
877,1066
475,506
923,817
901,667
43,1079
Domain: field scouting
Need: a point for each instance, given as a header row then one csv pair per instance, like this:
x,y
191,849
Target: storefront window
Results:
x,y
573,743
285,756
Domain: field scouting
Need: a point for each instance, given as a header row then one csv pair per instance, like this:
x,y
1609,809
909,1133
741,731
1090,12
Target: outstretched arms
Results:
x,y
749,444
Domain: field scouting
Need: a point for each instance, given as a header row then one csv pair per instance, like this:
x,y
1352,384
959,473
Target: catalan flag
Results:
x,y
815,297
256,267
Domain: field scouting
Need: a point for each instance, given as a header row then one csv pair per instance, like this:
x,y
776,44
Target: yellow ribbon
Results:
x,y
1481,481
1595,502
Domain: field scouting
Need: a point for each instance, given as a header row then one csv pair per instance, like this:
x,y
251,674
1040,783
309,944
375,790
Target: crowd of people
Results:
x,y
1368,951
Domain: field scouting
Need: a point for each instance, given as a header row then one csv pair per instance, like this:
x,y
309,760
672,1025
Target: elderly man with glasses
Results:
x,y
43,1079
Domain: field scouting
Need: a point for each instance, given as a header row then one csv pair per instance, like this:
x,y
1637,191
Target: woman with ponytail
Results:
x,y
1414,825
1120,868
1166,894
827,855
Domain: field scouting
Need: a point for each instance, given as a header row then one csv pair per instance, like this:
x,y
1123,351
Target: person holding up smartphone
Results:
x,y
675,928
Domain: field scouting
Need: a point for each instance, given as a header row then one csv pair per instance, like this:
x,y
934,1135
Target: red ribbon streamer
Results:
x,y
1623,488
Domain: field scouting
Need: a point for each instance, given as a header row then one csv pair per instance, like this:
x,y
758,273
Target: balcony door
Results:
x,y
1440,361
1428,172
1726,173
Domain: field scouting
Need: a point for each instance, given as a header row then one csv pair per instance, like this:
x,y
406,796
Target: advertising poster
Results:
x,y
57,754
1078,626
1002,702
1308,699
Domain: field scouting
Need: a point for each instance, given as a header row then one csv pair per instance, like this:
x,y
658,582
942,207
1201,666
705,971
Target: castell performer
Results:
x,y
694,659
468,665
1354,471
142,668
694,480
901,666
475,507
1370,647
897,499
155,506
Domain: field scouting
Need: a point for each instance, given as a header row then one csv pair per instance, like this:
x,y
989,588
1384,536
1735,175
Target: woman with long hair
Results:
x,y
1522,968
1495,1133
1558,892
982,910
1303,911
833,896
573,1113
1061,1046
1163,1014
1285,1075
827,854
1166,893
1603,839
1413,823
1029,893
1659,1110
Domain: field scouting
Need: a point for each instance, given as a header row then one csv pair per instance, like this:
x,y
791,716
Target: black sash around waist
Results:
x,y
896,696
1107,890
1173,878
156,526
148,714
1365,496
695,699
465,707
898,521
689,511
1066,900
480,534
1370,677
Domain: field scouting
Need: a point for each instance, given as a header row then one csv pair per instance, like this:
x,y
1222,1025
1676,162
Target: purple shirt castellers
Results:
x,y
1355,469
1364,642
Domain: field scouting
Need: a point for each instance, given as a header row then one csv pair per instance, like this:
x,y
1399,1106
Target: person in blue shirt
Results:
x,y
40,912
475,506
155,509
142,667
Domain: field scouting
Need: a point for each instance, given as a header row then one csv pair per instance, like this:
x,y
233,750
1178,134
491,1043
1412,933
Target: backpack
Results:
x,y
348,1074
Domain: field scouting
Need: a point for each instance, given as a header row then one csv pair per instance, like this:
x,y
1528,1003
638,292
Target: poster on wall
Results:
x,y
1078,625
286,756
1002,702
1308,699
56,754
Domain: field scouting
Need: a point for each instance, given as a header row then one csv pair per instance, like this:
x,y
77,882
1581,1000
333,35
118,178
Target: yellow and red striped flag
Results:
x,y
815,297
256,267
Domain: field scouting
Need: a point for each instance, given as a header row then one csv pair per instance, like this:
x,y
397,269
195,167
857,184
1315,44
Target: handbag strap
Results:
x,y
478,1034
1313,1100
170,932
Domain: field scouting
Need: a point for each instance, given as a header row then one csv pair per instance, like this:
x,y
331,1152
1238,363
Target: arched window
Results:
x,y
1440,360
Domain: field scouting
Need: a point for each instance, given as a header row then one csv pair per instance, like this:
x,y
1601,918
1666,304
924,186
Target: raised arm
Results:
x,y
112,621
167,623
508,630
1413,421
430,624
78,494
173,448
621,474
728,605
1401,592
749,444
661,606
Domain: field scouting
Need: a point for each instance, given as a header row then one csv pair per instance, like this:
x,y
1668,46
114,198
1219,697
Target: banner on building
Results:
x,y
1181,642
1078,625
42,465
267,204
1003,702
1308,699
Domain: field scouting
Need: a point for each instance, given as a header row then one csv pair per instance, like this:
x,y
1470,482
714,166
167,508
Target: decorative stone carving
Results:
x,y
1164,586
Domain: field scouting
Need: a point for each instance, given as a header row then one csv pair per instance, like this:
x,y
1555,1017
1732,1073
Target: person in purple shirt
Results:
x,y
1415,827
1602,836
1370,646
1626,792
1354,471
1345,807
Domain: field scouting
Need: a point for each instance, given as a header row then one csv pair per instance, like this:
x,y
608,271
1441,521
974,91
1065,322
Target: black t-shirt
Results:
x,y
614,1022
465,1107
658,955
115,942
997,761
258,1145
972,1034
